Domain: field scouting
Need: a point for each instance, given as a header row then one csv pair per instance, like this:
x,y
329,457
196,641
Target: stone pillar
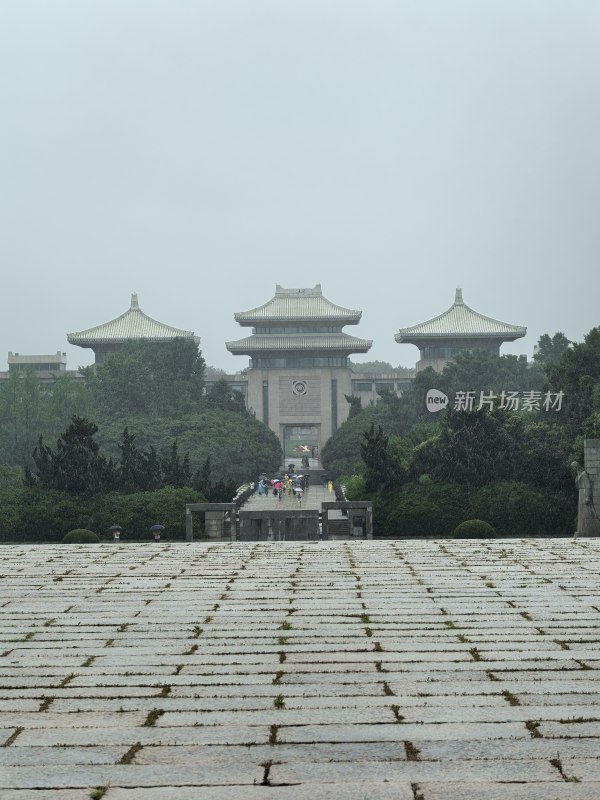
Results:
x,y
324,521
189,526
589,523
369,521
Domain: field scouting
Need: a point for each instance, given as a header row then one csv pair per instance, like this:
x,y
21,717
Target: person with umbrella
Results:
x,y
156,529
116,532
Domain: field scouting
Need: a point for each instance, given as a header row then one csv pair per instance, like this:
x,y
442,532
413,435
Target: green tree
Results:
x,y
151,379
340,455
176,470
221,395
373,367
239,446
551,348
355,405
76,466
223,491
382,471
21,416
577,375
472,447
480,370
68,397
28,412
10,477
138,470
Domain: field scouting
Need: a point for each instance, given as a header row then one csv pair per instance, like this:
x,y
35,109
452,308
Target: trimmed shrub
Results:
x,y
516,509
45,516
474,529
80,536
137,512
11,501
37,515
420,509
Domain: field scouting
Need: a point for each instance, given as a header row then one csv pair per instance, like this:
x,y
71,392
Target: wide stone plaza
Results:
x,y
361,670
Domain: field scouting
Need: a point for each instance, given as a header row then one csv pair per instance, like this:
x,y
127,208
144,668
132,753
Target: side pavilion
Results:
x,y
132,325
457,330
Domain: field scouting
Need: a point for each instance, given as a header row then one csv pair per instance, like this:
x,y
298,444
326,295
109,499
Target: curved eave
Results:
x,y
93,341
133,325
298,344
247,318
461,322
410,337
301,305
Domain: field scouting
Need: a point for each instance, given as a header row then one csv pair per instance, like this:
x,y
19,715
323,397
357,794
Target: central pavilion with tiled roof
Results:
x,y
299,365
132,325
457,330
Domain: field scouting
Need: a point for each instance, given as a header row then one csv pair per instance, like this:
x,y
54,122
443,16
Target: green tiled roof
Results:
x,y
133,324
298,304
460,321
299,342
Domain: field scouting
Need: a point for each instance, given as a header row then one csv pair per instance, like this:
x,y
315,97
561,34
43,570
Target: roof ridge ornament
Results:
x,y
280,291
134,302
458,298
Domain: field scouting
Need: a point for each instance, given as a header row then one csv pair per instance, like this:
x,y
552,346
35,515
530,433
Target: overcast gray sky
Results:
x,y
198,152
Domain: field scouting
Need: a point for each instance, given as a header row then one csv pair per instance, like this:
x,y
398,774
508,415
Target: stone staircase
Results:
x,y
338,527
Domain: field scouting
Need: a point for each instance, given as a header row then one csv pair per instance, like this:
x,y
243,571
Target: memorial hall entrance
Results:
x,y
301,445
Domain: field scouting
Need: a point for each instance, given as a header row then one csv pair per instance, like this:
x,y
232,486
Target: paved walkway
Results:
x,y
311,498
355,670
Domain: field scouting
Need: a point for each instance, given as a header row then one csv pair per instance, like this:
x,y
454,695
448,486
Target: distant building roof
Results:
x,y
460,321
305,305
133,324
294,342
56,358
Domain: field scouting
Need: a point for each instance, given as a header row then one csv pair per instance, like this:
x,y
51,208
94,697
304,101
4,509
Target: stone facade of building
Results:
x,y
299,366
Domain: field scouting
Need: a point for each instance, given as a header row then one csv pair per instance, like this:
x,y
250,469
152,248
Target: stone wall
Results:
x,y
590,525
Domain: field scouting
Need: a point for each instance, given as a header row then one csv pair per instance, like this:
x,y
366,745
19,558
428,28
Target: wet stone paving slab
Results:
x,y
361,670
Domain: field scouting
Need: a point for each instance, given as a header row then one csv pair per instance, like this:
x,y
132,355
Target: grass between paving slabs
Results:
x,y
152,717
98,794
13,736
287,649
557,763
129,756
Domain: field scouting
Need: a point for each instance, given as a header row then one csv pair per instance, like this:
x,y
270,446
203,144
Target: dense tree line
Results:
x,y
155,392
427,473
139,425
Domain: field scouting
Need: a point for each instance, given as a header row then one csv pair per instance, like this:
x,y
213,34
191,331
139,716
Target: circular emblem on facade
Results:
x,y
299,388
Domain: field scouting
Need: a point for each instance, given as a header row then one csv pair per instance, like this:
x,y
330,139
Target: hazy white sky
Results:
x,y
198,152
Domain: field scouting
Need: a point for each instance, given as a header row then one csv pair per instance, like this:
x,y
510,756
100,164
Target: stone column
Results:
x,y
589,524
369,521
189,526
324,521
